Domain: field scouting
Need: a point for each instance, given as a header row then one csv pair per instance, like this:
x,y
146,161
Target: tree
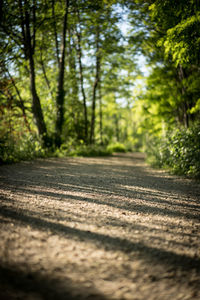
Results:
x,y
60,89
96,82
79,53
169,38
20,23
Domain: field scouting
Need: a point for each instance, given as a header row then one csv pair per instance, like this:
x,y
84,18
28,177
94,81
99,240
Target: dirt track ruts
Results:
x,y
98,228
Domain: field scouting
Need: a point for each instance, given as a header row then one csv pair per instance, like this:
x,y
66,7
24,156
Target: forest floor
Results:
x,y
98,228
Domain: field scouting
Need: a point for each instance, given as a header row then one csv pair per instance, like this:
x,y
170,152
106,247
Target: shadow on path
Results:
x,y
117,183
149,254
13,280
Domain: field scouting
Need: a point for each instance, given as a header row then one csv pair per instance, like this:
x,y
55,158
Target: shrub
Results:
x,y
82,150
179,151
117,147
91,150
25,147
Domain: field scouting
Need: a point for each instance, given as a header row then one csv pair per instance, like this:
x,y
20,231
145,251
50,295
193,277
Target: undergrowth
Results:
x,y
29,147
26,147
178,151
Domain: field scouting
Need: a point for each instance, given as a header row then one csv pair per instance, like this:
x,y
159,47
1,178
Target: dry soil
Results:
x,y
98,228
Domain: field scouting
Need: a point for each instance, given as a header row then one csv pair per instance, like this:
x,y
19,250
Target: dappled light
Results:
x,y
98,228
99,150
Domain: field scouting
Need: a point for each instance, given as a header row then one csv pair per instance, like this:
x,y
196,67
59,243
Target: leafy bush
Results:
x,y
117,147
25,147
179,151
82,150
91,150
74,149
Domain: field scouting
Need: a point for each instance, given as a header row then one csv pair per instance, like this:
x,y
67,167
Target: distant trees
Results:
x,y
69,73
64,48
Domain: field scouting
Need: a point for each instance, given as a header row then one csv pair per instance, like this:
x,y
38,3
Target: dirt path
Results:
x,y
98,228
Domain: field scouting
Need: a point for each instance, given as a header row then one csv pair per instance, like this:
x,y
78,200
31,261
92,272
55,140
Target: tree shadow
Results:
x,y
128,203
16,283
148,254
115,186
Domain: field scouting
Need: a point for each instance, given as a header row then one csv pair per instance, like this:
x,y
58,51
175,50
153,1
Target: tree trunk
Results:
x,y
60,89
116,126
79,51
36,106
29,47
74,85
100,114
97,77
55,33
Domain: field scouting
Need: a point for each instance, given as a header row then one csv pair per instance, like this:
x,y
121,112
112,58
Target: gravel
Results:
x,y
98,228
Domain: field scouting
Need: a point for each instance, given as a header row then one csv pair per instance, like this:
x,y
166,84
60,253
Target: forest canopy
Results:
x,y
73,82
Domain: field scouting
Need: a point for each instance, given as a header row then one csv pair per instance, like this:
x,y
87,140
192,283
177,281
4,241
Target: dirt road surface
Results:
x,y
98,228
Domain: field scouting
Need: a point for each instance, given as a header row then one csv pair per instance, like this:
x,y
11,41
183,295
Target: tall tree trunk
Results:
x,y
97,77
60,90
36,106
74,83
116,119
100,114
79,52
29,47
55,33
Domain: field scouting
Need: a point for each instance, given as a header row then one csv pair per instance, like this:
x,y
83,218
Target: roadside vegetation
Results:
x,y
82,90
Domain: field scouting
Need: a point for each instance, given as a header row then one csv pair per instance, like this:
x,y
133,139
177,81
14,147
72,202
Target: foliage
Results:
x,y
28,52
179,151
117,147
25,147
180,21
78,88
168,34
74,149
